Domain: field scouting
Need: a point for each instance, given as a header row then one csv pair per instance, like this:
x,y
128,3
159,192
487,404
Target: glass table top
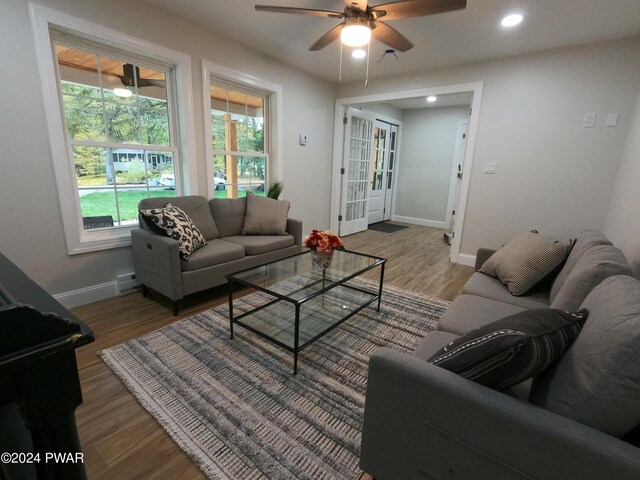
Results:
x,y
296,279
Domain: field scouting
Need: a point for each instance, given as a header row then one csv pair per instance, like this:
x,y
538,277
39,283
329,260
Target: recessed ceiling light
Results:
x,y
431,98
358,53
512,20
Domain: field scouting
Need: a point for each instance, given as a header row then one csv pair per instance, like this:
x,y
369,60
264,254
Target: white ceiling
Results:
x,y
440,40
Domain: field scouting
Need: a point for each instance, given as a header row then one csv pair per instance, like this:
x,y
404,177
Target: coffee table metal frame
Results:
x,y
232,278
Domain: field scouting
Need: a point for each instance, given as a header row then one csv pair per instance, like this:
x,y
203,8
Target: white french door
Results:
x,y
381,183
378,166
390,166
356,165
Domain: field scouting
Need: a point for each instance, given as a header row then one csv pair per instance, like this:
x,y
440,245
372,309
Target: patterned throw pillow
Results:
x,y
525,260
177,225
509,351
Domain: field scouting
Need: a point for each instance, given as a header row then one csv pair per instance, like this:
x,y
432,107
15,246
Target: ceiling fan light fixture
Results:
x,y
358,53
512,20
356,32
122,92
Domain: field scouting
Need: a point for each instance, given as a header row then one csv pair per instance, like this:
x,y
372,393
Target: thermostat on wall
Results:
x,y
303,139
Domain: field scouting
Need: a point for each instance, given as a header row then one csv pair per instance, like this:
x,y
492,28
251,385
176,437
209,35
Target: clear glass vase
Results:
x,y
321,260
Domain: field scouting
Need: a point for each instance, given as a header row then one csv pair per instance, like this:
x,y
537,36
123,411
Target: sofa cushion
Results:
x,y
257,244
228,214
195,206
265,216
584,241
510,350
177,225
597,382
525,260
433,342
484,286
215,252
594,265
468,312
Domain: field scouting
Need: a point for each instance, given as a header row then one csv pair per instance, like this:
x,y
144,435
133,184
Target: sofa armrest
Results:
x,y
482,255
422,421
156,261
294,227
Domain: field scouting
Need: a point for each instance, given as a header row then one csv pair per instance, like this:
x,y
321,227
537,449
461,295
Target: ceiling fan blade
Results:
x,y
391,37
300,11
327,38
415,8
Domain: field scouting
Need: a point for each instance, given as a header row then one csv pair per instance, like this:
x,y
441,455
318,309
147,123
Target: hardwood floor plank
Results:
x,y
121,440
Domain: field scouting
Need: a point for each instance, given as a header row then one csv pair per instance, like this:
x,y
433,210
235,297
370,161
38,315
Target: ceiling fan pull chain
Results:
x,y
340,74
366,79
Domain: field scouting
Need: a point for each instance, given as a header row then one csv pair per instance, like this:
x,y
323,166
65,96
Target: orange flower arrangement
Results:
x,y
323,242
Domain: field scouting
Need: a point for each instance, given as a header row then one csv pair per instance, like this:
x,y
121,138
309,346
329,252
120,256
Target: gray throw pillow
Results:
x,y
596,264
525,260
584,241
177,225
265,216
597,381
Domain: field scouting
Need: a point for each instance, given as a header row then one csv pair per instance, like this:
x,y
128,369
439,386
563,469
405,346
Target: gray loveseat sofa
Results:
x,y
159,267
424,422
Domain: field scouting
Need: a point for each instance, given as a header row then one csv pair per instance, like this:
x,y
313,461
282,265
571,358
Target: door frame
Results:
x,y
338,140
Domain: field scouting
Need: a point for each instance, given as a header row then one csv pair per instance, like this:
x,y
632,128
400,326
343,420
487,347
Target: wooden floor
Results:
x,y
121,440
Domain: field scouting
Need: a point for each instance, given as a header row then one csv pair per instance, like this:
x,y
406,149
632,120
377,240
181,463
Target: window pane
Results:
x,y
97,203
122,123
91,166
84,116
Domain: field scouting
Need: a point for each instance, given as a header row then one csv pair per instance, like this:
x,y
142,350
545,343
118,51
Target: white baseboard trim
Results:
x,y
419,221
82,296
465,259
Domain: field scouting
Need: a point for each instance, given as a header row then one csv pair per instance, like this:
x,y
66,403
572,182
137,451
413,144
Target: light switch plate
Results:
x,y
489,168
612,119
589,120
303,139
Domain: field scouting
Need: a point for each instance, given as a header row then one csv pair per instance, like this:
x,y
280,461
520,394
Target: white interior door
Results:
x,y
377,184
456,173
390,165
356,165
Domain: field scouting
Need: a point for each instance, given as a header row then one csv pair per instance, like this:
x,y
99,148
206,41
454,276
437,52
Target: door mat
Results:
x,y
386,227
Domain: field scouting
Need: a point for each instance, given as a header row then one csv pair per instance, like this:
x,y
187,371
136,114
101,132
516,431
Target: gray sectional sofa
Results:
x,y
422,421
159,267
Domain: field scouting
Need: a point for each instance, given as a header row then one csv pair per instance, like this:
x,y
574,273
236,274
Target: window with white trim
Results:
x,y
239,135
132,136
119,117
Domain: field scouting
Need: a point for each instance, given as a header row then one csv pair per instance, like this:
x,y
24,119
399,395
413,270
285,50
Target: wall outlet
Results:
x,y
612,119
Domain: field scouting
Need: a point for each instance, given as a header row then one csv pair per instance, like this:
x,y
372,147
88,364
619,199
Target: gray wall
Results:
x,y
623,221
32,234
552,174
427,145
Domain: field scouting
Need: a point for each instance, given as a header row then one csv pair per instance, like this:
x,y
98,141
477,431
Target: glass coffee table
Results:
x,y
308,302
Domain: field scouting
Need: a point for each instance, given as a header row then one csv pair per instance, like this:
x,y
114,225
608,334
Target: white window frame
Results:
x,y
212,72
42,20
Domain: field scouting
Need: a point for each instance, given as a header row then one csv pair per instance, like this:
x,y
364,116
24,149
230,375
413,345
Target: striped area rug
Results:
x,y
236,409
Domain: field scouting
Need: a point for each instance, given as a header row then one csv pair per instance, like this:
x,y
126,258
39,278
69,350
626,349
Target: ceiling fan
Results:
x,y
361,21
131,77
